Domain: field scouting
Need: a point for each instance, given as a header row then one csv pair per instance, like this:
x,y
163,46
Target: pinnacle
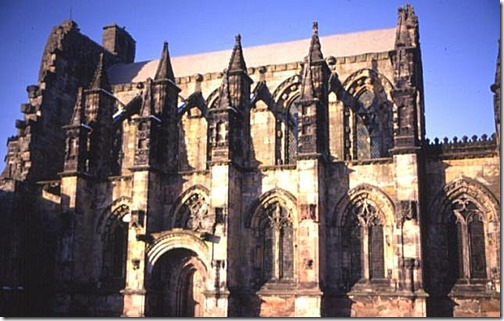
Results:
x,y
77,116
165,70
237,61
100,80
315,53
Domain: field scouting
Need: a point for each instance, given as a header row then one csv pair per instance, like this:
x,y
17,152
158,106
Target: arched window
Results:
x,y
466,240
363,242
373,130
115,255
274,251
368,118
463,239
286,99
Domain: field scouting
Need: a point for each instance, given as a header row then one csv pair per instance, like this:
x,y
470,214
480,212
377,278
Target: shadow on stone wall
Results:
x,y
440,306
244,303
28,242
336,306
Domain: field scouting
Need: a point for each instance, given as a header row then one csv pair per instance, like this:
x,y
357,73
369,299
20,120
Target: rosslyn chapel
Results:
x,y
289,179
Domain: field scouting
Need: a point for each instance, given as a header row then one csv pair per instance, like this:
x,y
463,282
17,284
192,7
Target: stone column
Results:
x,y
216,295
134,292
310,254
410,256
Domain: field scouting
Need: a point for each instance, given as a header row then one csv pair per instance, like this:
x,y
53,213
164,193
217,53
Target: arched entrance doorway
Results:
x,y
175,285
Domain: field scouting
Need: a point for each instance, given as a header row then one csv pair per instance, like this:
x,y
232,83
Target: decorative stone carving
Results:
x,y
194,214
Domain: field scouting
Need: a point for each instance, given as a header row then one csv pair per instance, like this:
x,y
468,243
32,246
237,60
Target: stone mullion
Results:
x,y
276,253
365,252
466,260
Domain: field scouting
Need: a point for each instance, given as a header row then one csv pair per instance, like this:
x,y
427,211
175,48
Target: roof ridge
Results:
x,y
337,45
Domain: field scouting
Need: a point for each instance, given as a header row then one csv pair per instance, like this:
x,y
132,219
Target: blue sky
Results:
x,y
459,41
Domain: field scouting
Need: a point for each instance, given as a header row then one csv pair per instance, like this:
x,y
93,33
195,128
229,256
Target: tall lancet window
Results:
x,y
291,132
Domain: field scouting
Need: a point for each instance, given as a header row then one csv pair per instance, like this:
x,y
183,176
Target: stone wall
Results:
x,y
289,231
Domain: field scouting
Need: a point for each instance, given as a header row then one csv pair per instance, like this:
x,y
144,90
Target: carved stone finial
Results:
x,y
315,27
238,39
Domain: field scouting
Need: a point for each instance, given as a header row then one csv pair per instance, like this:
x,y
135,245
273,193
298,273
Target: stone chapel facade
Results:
x,y
296,182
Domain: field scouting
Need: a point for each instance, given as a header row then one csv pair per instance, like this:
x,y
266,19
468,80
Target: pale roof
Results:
x,y
339,45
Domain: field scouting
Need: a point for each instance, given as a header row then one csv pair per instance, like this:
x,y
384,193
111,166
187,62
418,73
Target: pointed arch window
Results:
x,y
286,113
115,254
368,120
466,240
274,251
363,243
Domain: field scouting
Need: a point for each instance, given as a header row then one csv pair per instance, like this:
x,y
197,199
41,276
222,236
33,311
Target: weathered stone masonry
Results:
x,y
291,179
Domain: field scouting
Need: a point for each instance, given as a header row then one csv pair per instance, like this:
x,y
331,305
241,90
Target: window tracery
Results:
x,y
194,214
363,242
466,239
274,251
368,117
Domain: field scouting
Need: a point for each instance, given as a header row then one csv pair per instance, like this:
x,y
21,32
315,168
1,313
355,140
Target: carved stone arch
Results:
x,y
114,212
354,83
286,91
178,264
174,239
475,191
375,195
179,217
283,197
213,99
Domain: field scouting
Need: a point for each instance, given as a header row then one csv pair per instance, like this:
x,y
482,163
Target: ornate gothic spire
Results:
x,y
237,62
315,53
314,57
407,27
165,70
100,80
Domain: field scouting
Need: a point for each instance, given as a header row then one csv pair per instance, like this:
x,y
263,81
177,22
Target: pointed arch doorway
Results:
x,y
176,285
